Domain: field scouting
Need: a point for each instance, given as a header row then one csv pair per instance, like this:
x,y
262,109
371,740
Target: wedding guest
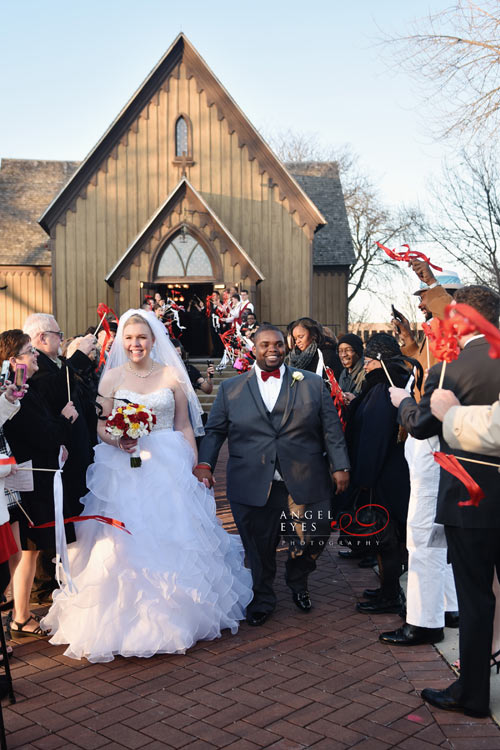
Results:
x,y
33,433
311,350
246,305
380,471
9,532
350,350
472,533
216,312
431,601
197,380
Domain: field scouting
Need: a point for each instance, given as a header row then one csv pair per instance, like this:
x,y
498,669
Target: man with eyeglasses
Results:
x,y
51,381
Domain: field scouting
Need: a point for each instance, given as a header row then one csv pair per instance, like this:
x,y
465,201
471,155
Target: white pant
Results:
x,y
431,588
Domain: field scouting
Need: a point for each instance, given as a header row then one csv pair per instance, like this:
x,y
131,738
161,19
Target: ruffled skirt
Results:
x,y
178,578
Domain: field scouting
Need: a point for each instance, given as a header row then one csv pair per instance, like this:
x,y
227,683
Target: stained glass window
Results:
x,y
184,256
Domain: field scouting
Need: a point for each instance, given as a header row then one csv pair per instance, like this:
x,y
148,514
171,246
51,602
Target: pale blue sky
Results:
x,y
316,67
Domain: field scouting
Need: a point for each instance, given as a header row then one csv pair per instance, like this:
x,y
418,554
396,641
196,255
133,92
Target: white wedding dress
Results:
x,y
178,578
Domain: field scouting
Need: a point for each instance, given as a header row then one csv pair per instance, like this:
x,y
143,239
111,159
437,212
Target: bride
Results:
x,y
178,577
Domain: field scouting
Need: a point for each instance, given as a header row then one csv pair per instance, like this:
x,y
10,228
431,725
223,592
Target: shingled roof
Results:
x,y
26,189
332,245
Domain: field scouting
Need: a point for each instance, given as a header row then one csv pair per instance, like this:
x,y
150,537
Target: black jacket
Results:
x,y
377,456
35,434
474,378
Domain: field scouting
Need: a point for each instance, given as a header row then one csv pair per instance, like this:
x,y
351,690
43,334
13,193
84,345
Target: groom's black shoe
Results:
x,y
257,618
303,601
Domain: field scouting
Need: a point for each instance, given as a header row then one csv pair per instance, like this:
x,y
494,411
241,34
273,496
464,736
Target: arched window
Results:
x,y
181,138
184,256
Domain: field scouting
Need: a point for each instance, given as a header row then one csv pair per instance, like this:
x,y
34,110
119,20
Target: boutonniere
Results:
x,y
297,377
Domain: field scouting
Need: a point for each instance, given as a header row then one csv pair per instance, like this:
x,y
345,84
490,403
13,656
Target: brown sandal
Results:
x,y
19,631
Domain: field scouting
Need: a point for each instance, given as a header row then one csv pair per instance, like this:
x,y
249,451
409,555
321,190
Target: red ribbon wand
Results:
x,y
103,310
442,338
450,463
337,396
407,256
465,320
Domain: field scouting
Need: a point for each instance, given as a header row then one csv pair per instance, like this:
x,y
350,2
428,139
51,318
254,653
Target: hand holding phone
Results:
x,y
20,375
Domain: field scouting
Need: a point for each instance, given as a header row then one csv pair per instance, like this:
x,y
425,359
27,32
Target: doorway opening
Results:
x,y
191,298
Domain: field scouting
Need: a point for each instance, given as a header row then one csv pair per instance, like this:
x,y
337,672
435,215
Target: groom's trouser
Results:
x,y
306,529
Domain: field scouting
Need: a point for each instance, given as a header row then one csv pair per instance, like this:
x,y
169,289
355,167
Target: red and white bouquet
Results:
x,y
133,421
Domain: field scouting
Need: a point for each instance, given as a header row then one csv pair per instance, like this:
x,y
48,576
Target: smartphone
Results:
x,y
19,378
396,314
4,372
209,362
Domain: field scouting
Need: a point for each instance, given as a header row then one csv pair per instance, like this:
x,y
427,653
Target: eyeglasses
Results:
x,y
56,333
346,351
31,350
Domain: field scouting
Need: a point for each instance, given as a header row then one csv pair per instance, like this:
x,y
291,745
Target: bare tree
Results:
x,y
458,50
369,220
467,205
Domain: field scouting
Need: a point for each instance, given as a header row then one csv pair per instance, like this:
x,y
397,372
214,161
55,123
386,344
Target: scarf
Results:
x,y
301,360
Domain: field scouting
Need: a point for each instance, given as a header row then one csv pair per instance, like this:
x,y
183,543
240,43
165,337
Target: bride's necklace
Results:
x,y
137,375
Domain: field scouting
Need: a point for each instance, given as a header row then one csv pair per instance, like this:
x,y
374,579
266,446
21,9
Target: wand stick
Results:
x,y
379,357
100,324
27,468
441,377
427,348
67,383
475,461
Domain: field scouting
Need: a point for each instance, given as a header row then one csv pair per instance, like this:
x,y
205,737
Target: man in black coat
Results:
x,y
472,533
285,446
52,383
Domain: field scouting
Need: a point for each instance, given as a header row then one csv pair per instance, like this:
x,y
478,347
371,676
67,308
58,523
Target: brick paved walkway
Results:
x,y
320,680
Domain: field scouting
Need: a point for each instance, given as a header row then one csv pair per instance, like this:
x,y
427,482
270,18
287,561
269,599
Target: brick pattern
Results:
x,y
321,680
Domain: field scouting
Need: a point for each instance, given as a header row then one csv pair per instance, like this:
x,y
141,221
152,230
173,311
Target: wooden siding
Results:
x,y
329,296
139,175
28,291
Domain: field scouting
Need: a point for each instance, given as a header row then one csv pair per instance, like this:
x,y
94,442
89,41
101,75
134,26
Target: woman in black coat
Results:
x,y
33,434
313,351
379,468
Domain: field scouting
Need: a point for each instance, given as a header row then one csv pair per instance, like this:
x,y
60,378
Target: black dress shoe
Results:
x,y
442,700
380,606
368,561
375,593
412,635
303,601
257,618
451,620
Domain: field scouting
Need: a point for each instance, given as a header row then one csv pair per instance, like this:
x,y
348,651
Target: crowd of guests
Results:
x,y
394,418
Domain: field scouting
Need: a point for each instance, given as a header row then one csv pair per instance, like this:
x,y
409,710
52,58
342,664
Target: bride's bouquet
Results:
x,y
133,421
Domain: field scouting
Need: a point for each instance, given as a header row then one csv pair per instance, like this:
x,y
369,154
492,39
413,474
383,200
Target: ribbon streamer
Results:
x,y
76,519
465,320
62,560
337,395
407,256
450,463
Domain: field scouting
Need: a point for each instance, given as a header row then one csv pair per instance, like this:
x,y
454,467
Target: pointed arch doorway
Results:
x,y
185,270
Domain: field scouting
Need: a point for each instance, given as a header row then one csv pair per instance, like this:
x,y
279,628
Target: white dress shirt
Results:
x,y
270,390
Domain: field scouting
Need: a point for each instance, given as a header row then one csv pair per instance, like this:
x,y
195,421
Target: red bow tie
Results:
x,y
266,375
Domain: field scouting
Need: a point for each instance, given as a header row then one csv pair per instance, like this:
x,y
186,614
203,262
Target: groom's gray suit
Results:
x,y
301,438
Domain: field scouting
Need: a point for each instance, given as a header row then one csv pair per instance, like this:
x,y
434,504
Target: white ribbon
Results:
x,y
321,364
62,561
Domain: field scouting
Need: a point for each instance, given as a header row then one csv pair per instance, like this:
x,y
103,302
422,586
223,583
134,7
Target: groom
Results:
x,y
285,439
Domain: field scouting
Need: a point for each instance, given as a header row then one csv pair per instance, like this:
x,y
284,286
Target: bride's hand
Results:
x,y
127,444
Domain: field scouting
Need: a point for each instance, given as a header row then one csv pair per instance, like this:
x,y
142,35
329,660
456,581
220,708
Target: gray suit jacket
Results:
x,y
302,427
